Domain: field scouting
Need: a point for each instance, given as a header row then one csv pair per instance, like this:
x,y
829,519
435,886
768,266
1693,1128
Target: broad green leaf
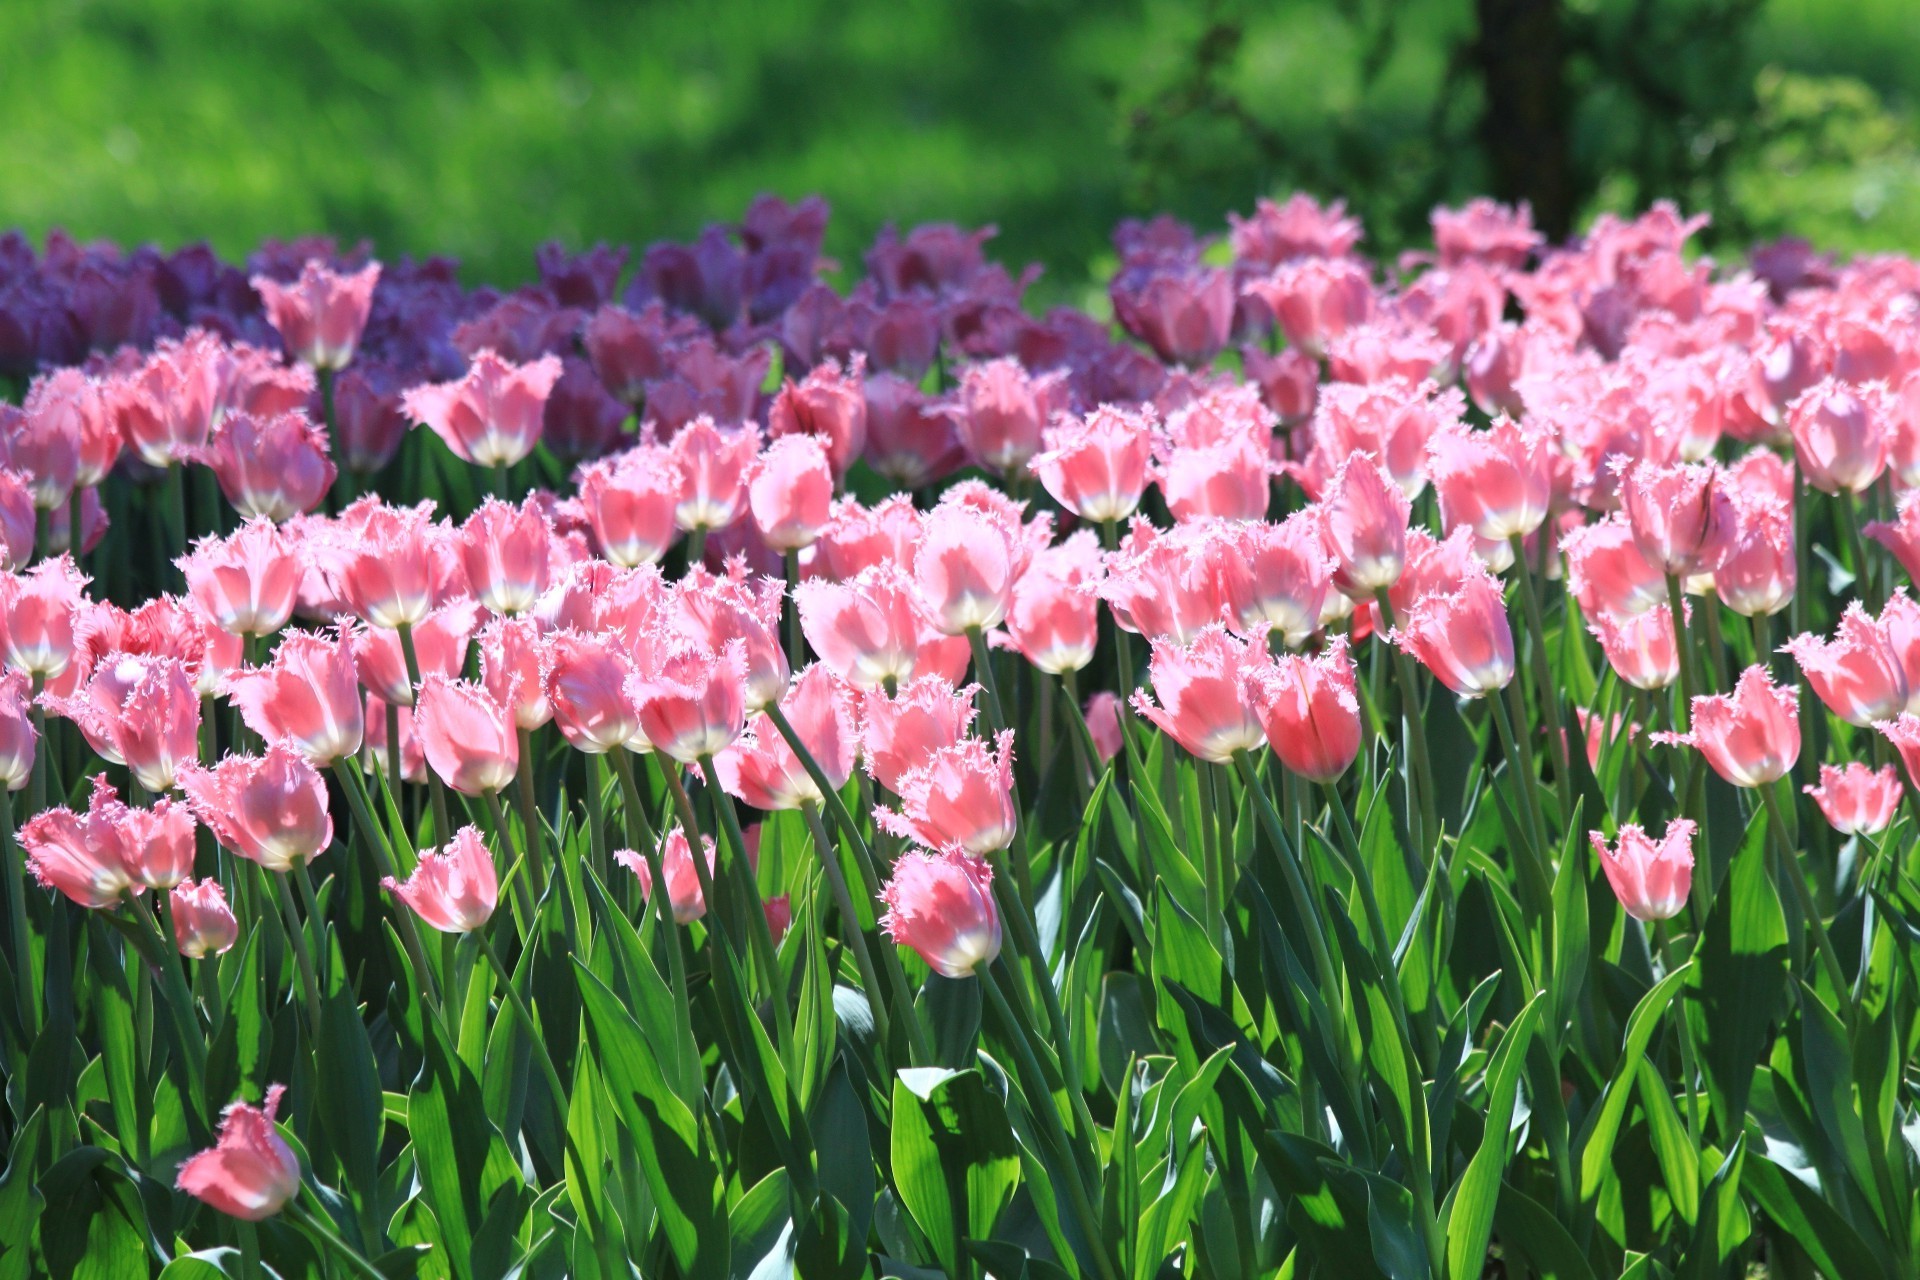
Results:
x,y
1471,1204
1596,1145
955,1162
1739,980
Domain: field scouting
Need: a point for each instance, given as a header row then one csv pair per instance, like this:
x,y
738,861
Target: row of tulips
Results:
x,y
780,782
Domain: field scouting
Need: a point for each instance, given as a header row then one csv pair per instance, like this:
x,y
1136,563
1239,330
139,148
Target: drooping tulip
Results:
x,y
251,1173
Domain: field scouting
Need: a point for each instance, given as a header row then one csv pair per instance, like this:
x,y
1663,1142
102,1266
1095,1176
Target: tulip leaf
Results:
x,y
1596,1145
1739,980
1471,1204
955,1161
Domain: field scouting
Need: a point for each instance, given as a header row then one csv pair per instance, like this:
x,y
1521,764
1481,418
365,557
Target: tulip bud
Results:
x,y
203,923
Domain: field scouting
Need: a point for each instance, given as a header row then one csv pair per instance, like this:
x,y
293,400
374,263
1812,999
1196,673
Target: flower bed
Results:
x,y
1312,780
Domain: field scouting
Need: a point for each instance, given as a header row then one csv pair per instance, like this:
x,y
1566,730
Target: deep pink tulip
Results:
x,y
1289,382
247,582
587,688
37,616
1001,409
454,888
308,694
203,923
684,894
1103,712
440,642
630,502
760,769
159,840
629,349
1365,526
251,1173
1839,436
468,736
713,473
1310,710
961,797
513,667
85,856
1751,736
694,703
1859,799
910,441
828,403
1498,481
1486,231
270,809
1273,575
143,712
1054,619
508,554
941,905
790,492
1651,878
900,733
1642,647
368,423
1201,704
1097,466
1858,673
492,416
1464,636
274,467
1682,517
321,315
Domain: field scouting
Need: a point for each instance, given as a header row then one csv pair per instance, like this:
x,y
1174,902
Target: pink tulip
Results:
x,y
368,424
778,909
859,538
167,406
17,522
790,492
37,612
629,502
1857,674
1642,648
467,735
1464,637
1681,516
1599,732
760,769
251,1173
1097,466
941,905
71,404
1000,411
718,611
1315,299
1184,313
1103,712
111,850
1309,709
43,442
910,441
1651,879
385,568
159,841
694,702
1498,481
713,473
1902,535
1608,573
1199,688
1757,576
19,740
1160,585
492,416
440,643
868,630
1289,382
1273,575
827,404
684,894
1054,619
308,694
508,554
203,923
320,316
375,757
1857,800
274,467
1226,481
247,582
513,661
1365,526
1751,736
270,809
1839,437
964,567
138,711
1900,619
1395,422
900,733
454,888
587,688
961,797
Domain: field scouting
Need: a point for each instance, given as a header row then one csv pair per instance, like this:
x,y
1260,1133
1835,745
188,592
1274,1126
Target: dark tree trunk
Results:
x,y
1521,55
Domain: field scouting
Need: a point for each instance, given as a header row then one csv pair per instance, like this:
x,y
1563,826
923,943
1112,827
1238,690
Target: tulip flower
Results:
x,y
1857,673
1859,799
684,895
828,405
1839,437
1751,736
900,732
508,554
712,466
167,406
790,492
251,1173
322,314
1681,516
203,923
1608,573
962,797
138,711
492,416
1199,687
440,642
1315,300
19,740
1651,878
1365,526
309,694
1273,575
454,888
1097,466
385,569
248,582
270,809
1184,313
1758,574
69,410
1001,410
868,630
1225,481
273,467
1498,481
761,769
1103,712
1901,536
513,667
1464,636
1643,649
1309,709
587,688
965,563
86,856
37,616
1054,618
694,704
468,736
941,905
910,441
630,502
1158,585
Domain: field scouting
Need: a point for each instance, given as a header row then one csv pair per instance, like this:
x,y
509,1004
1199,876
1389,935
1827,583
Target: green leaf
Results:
x,y
461,1156
955,1161
1328,1207
1471,1205
1596,1145
1679,1162
1739,981
208,1264
762,1225
1801,1212
1531,1231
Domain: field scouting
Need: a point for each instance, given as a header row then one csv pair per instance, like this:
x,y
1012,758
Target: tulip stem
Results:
x,y
759,932
1420,797
1683,648
1543,677
796,639
396,771
310,1221
1296,880
37,796
641,835
442,827
522,899
1085,753
343,769
856,940
1535,885
1670,960
1040,1107
302,954
16,873
996,717
536,839
1788,869
176,505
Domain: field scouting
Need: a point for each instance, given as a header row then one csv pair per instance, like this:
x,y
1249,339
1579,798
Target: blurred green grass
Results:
x,y
479,128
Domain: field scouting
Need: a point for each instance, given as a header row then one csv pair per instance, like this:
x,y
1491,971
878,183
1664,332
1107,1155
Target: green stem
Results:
x,y
649,846
1789,870
1420,796
1290,869
796,639
344,770
759,932
16,887
1535,884
308,1220
1543,676
302,954
996,717
856,940
1670,959
522,898
530,815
